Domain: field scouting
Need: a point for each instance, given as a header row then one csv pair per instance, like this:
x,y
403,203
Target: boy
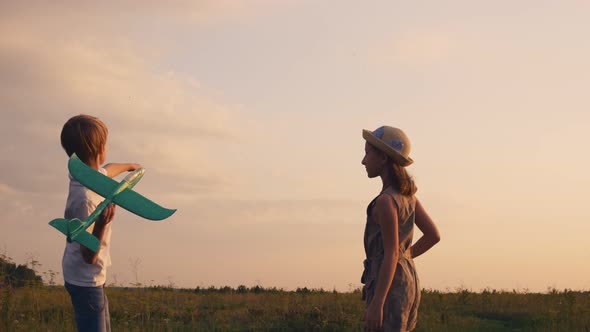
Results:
x,y
85,271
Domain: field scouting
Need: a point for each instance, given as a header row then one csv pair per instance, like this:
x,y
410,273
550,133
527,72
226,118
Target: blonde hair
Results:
x,y
84,135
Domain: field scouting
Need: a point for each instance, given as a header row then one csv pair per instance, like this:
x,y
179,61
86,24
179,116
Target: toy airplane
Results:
x,y
119,193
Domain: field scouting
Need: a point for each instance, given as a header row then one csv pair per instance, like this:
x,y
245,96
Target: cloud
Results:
x,y
5,189
155,115
108,13
56,62
273,212
414,48
253,237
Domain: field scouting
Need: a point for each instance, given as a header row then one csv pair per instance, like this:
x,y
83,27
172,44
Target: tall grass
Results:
x,y
255,309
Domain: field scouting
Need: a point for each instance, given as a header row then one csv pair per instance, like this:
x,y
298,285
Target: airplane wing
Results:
x,y
93,180
104,186
141,206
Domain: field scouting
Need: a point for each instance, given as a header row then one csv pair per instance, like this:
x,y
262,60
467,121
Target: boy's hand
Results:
x,y
104,219
107,215
133,167
114,169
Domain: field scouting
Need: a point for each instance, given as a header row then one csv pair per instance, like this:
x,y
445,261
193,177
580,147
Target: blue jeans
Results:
x,y
91,308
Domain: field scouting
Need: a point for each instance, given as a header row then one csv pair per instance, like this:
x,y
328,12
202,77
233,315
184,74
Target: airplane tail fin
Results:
x,y
71,228
61,225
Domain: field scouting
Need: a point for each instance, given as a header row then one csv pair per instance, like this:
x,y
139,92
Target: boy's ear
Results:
x,y
103,150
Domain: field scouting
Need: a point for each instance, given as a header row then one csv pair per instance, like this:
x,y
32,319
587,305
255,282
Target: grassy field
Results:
x,y
244,309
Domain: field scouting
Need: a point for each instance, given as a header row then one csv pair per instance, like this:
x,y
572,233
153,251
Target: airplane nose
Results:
x,y
134,176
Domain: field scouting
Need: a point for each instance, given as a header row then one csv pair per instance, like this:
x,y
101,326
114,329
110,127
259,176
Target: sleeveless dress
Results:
x,y
400,311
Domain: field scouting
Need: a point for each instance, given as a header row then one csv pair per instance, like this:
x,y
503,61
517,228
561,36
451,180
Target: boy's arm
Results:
x,y
114,169
81,209
105,218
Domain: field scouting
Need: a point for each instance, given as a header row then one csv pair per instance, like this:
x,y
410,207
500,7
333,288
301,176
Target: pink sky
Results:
x,y
247,117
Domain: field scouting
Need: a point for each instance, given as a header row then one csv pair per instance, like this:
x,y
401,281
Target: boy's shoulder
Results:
x,y
78,189
78,202
80,197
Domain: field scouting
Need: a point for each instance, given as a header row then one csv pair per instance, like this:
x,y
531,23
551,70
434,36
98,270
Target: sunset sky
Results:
x,y
247,116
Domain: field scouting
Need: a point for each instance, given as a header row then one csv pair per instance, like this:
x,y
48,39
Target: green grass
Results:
x,y
164,309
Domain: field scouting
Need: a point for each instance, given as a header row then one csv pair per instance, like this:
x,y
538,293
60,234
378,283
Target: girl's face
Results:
x,y
374,161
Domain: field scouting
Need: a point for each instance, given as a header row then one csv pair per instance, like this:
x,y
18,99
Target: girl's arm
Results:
x,y
386,217
114,169
428,228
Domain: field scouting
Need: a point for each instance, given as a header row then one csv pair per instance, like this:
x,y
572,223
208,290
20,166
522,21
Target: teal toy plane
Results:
x,y
119,193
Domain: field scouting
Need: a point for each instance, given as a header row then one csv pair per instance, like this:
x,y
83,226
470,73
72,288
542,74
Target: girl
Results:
x,y
391,289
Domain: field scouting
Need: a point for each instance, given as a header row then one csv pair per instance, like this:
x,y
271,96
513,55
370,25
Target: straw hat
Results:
x,y
392,141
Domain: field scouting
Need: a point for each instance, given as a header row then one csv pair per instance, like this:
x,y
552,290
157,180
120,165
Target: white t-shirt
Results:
x,y
80,204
